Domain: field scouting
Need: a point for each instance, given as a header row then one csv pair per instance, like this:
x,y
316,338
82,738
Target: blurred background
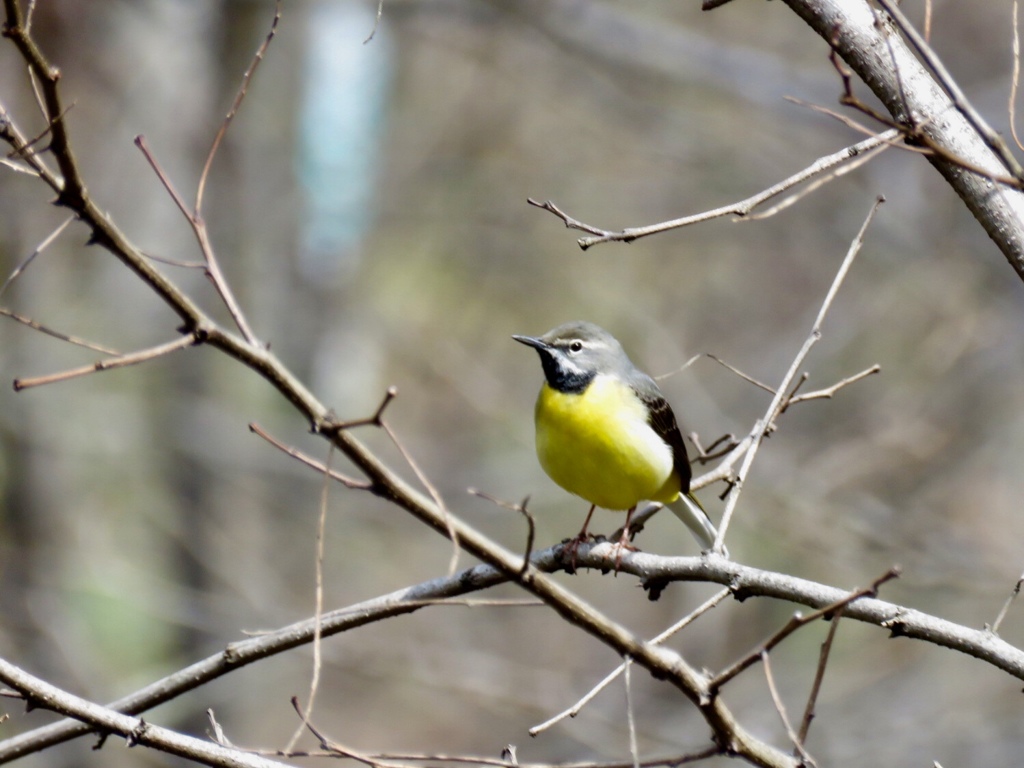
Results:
x,y
369,208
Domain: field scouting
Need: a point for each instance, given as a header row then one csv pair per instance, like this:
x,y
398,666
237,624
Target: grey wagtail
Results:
x,y
605,431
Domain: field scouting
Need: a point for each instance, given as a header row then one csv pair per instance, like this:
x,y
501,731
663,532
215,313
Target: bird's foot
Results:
x,y
571,546
623,545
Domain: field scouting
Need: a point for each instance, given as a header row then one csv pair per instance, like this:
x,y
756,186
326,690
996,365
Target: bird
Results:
x,y
606,433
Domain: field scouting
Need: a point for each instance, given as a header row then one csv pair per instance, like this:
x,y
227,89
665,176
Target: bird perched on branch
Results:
x,y
605,431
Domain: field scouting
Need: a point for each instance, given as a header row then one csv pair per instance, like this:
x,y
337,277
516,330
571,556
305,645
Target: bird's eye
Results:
x,y
576,346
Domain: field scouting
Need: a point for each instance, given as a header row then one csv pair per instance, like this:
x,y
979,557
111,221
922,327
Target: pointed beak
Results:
x,y
532,341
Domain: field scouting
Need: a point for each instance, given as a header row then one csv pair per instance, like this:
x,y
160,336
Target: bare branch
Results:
x,y
740,210
742,581
136,731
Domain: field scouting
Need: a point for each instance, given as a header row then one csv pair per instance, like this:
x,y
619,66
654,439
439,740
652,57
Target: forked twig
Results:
x,y
758,432
195,213
377,420
741,209
661,637
202,235
531,524
829,392
797,621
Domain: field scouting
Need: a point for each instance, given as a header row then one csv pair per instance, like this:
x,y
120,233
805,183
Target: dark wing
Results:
x,y
663,421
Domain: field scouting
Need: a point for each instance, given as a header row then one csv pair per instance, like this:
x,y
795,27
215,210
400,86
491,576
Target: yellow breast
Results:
x,y
598,445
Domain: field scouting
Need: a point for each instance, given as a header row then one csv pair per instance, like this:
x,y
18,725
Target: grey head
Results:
x,y
574,353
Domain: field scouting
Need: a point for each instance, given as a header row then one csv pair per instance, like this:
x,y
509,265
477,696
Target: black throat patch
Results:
x,y
562,376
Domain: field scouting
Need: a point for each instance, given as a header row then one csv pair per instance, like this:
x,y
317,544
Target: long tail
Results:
x,y
689,510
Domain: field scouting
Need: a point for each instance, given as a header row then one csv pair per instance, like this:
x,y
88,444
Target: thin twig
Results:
x,y
680,369
57,334
318,615
19,148
634,750
531,525
332,746
161,174
818,183
195,214
38,249
309,461
376,21
434,494
819,675
218,734
994,629
105,365
829,392
741,374
780,707
1015,81
239,97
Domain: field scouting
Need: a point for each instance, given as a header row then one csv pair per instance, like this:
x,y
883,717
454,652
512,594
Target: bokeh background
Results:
x,y
369,208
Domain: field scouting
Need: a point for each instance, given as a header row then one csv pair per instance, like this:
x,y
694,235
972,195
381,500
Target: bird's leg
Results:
x,y
582,535
574,544
624,539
